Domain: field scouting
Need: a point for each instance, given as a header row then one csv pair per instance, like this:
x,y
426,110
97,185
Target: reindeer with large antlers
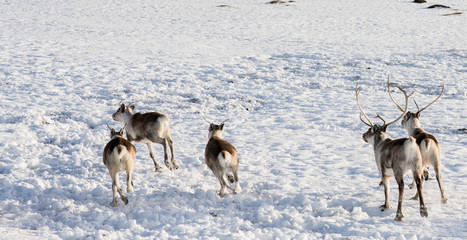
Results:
x,y
394,158
429,147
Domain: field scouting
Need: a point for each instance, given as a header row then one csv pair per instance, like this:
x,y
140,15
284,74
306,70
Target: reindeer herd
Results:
x,y
394,157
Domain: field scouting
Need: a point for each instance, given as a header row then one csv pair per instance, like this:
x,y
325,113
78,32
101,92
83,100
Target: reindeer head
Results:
x,y
376,133
215,129
411,120
122,111
114,134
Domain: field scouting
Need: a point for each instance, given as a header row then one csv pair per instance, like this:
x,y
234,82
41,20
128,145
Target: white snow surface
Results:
x,y
283,74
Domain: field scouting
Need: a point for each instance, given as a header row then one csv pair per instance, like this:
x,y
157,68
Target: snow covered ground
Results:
x,y
284,75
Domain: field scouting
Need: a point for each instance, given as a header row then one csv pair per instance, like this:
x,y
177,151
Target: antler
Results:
x,y
378,116
224,121
420,110
132,103
394,101
207,120
108,126
404,111
370,124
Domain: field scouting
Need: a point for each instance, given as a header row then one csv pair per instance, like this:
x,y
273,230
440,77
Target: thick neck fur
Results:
x,y
127,115
413,126
215,133
378,138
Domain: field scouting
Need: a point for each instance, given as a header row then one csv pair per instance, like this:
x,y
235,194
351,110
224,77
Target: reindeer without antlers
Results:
x,y
429,147
148,128
221,157
394,158
119,155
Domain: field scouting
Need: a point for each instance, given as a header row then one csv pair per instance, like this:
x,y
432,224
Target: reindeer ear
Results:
x,y
418,114
112,131
222,127
132,107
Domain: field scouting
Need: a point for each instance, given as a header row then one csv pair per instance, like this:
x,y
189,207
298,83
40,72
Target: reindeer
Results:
x,y
394,158
119,155
221,157
148,128
429,147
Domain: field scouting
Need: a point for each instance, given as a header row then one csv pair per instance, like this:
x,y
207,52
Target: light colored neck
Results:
x,y
377,138
215,133
413,126
127,116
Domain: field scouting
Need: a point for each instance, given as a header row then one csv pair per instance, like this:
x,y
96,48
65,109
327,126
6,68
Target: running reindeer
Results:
x,y
119,155
429,147
148,128
221,157
394,158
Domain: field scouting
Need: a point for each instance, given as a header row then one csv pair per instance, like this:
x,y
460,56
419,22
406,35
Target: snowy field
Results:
x,y
284,74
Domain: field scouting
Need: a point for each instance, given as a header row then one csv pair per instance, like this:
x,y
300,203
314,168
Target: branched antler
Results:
x,y
370,124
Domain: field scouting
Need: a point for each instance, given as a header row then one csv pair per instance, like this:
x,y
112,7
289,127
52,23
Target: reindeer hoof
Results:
x,y
114,204
399,217
230,178
158,169
444,201
169,165
130,190
125,199
411,185
423,211
414,198
384,207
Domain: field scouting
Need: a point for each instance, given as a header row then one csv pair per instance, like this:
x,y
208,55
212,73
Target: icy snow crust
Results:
x,y
285,76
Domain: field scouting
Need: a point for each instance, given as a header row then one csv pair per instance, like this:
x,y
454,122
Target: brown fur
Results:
x,y
216,152
151,127
122,160
392,155
429,147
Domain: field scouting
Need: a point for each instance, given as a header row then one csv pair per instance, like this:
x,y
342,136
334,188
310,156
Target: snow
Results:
x,y
284,75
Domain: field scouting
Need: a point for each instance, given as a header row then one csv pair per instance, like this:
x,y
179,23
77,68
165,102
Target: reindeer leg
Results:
x,y
119,190
166,155
129,182
419,182
223,185
444,200
414,184
171,145
386,205
152,155
114,202
237,189
400,182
